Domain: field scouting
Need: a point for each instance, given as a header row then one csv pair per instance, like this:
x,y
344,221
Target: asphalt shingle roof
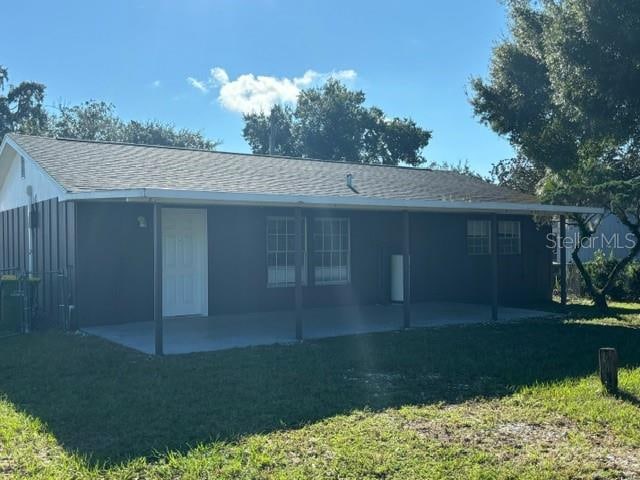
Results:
x,y
84,166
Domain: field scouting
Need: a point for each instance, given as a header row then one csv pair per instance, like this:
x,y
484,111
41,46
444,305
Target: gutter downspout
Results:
x,y
30,232
26,322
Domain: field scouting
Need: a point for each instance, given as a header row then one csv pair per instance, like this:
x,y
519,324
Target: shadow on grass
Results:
x,y
584,308
589,311
628,397
110,403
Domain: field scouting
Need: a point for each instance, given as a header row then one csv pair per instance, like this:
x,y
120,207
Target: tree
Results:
x,y
94,120
21,109
463,168
564,88
518,173
332,123
153,132
87,121
271,134
613,183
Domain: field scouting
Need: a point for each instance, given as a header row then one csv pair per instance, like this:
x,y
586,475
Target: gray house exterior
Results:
x,y
123,233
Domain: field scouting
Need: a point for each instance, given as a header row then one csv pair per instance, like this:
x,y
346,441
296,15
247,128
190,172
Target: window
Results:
x,y
331,251
478,237
22,168
281,251
509,238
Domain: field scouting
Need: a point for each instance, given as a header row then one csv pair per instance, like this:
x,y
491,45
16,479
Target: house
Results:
x,y
121,233
611,237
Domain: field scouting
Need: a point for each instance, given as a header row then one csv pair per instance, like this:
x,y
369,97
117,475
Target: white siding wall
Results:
x,y
13,189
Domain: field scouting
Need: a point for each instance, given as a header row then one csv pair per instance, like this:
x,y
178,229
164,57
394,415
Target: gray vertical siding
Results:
x,y
115,262
237,260
53,255
442,270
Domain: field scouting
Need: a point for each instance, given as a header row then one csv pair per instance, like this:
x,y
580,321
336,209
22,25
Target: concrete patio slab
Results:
x,y
220,332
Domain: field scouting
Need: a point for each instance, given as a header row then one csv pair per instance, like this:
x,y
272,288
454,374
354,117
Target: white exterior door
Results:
x,y
184,262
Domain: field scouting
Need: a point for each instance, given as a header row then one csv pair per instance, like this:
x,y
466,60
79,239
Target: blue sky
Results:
x,y
412,58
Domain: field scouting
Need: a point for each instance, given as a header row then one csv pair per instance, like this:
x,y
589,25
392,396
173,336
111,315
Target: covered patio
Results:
x,y
182,249
202,334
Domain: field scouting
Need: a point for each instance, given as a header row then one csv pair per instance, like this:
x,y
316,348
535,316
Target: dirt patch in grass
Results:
x,y
522,441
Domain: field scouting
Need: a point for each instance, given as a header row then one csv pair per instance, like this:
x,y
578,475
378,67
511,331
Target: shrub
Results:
x,y
631,280
599,269
625,287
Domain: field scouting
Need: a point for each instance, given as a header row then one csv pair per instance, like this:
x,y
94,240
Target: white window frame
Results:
x,y
508,231
478,230
288,271
330,250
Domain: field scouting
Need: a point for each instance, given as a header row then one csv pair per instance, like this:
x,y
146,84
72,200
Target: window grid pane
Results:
x,y
509,238
281,241
332,252
478,237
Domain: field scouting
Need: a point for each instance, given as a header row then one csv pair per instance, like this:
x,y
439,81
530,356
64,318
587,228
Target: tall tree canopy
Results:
x,y
97,121
331,122
564,88
272,133
22,111
463,168
21,108
518,173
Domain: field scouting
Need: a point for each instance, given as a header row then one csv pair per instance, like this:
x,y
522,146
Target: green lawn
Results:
x,y
482,401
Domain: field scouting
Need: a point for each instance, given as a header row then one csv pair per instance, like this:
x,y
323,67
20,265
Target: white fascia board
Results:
x,y
258,199
124,194
13,144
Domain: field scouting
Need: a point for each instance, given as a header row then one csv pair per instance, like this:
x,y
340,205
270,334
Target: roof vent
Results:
x,y
350,183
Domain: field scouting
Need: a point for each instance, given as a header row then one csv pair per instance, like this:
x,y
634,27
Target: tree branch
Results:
x,y
585,231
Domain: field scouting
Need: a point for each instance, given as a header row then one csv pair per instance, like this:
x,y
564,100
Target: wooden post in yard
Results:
x,y
157,279
494,267
608,363
298,272
563,260
406,270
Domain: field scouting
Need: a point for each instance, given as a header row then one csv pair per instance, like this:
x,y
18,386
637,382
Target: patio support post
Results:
x,y
406,270
494,267
298,271
157,278
563,260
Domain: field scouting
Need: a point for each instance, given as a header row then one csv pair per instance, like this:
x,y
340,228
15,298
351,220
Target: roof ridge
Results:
x,y
262,155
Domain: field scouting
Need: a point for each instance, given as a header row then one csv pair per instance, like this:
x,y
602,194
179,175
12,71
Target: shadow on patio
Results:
x,y
220,332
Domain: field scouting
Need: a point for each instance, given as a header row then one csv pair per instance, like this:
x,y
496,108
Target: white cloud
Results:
x,y
219,76
197,84
155,84
251,93
344,75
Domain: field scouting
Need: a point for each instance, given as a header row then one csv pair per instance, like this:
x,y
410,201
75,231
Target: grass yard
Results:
x,y
484,401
